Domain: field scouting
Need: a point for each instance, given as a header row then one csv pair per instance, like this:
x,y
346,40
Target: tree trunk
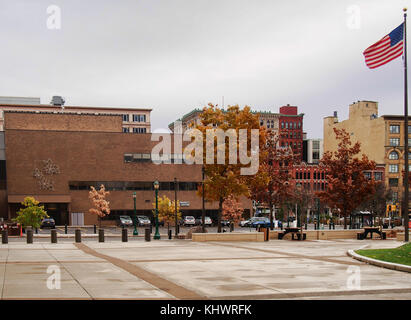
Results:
x,y
271,216
220,211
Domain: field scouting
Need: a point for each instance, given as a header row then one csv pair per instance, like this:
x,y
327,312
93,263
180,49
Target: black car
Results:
x,y
48,223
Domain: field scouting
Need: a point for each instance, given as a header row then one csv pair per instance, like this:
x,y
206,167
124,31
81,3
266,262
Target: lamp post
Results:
x,y
175,206
203,209
156,186
135,232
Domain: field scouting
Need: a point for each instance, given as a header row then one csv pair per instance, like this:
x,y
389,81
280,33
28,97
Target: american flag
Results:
x,y
385,50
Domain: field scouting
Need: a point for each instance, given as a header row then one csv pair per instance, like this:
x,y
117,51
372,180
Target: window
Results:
x,y
409,155
299,124
393,182
395,196
139,117
367,175
261,123
126,118
286,125
394,141
393,168
282,125
316,144
409,142
139,130
394,128
378,176
393,155
126,129
409,129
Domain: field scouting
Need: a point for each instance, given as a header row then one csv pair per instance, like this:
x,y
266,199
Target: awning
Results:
x,y
17,198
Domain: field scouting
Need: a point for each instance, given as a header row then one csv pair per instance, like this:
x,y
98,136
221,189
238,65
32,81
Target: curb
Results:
x,y
379,263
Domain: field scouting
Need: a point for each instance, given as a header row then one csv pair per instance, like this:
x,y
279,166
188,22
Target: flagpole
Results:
x,y
406,151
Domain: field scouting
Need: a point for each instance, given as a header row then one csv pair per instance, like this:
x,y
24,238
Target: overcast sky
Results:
x,y
176,55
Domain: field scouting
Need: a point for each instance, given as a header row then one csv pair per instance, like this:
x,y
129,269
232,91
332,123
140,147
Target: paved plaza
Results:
x,y
182,269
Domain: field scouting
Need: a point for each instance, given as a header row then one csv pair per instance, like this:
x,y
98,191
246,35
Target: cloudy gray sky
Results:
x,y
175,55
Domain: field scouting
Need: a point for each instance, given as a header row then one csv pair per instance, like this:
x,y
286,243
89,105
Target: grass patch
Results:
x,y
401,255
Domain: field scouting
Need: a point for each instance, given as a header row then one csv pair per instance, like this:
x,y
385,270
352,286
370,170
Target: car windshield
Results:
x,y
125,218
189,218
143,217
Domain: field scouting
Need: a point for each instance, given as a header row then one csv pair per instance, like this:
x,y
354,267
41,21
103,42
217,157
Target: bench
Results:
x,y
293,231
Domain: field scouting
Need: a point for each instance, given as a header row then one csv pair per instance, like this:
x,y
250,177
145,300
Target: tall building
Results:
x,y
135,120
288,123
381,138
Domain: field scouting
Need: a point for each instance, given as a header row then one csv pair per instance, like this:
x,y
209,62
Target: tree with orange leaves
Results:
x,y
232,210
98,199
224,179
272,184
347,186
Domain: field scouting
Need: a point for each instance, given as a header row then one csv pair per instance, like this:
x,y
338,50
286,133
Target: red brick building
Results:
x,y
57,157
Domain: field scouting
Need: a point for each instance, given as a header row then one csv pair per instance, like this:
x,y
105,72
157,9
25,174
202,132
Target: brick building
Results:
x,y
57,157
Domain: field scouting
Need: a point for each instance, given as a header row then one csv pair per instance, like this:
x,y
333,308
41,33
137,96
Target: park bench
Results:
x,y
370,230
293,231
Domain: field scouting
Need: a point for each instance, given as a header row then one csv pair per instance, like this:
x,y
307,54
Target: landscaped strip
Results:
x,y
396,258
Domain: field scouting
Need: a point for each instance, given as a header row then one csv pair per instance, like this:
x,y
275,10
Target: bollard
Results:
x,y
124,235
333,226
77,235
37,231
329,226
29,233
147,234
65,229
100,235
151,228
95,229
53,236
231,227
4,236
178,229
169,234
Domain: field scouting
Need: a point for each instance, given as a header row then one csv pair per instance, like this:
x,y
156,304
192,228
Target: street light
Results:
x,y
156,186
203,209
135,232
175,206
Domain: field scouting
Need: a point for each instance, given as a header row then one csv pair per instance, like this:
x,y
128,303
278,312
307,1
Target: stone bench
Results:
x,y
228,236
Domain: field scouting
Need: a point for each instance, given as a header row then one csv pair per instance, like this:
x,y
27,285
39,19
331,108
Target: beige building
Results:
x,y
381,138
135,120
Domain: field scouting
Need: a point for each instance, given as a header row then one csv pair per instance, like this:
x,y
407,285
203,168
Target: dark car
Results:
x,y
48,223
125,221
260,222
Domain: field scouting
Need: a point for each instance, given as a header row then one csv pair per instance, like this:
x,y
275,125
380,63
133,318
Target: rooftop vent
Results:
x,y
57,101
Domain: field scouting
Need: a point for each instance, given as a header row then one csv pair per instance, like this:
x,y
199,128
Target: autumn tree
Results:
x,y
166,210
272,184
225,178
32,214
304,199
232,210
98,199
347,186
377,203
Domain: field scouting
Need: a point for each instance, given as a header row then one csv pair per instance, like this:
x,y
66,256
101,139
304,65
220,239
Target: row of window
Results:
x,y
133,185
395,128
299,175
146,157
290,125
270,123
136,118
286,144
394,142
377,175
394,168
394,155
136,130
292,135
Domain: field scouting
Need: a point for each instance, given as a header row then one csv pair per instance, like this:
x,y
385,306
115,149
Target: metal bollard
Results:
x,y
65,229
147,234
4,236
124,235
95,229
53,236
77,235
231,227
169,234
100,235
29,233
151,228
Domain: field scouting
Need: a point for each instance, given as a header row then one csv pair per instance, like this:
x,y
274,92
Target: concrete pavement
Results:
x,y
181,269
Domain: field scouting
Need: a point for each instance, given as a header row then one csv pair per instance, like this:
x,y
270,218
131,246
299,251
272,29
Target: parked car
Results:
x,y
244,223
261,222
248,223
207,221
143,221
225,223
48,223
189,221
124,221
